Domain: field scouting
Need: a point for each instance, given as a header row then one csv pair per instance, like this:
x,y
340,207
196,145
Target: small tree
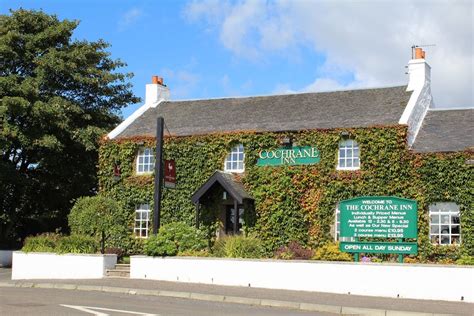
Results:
x,y
98,216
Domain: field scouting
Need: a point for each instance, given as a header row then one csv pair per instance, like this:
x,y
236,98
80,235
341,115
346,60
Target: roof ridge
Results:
x,y
449,109
284,94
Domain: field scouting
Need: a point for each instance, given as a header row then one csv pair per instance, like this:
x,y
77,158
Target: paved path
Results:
x,y
253,296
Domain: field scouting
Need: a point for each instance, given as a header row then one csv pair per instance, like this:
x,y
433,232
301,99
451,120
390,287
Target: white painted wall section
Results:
x,y
38,265
389,280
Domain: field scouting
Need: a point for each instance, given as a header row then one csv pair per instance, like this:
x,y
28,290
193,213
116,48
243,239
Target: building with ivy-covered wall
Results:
x,y
277,166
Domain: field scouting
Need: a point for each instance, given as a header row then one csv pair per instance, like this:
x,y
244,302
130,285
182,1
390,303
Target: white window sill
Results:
x,y
235,171
144,173
347,168
444,245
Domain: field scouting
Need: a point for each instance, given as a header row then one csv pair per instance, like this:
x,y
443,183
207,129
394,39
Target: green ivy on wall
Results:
x,y
299,202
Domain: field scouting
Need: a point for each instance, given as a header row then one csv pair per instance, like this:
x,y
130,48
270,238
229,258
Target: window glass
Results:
x,y
445,223
145,161
234,162
348,155
142,221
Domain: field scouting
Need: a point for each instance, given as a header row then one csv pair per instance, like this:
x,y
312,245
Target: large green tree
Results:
x,y
58,96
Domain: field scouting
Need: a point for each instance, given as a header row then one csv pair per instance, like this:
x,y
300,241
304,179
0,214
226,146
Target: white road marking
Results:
x,y
95,310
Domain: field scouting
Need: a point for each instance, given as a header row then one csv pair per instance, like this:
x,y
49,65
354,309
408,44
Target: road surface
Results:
x,y
31,301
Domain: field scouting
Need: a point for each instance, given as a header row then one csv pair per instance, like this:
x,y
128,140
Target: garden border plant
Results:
x,y
61,244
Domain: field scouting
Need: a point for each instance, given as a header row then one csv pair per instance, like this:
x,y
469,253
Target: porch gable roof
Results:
x,y
230,184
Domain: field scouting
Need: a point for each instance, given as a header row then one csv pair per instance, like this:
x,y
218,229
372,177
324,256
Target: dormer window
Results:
x,y
234,162
145,161
348,156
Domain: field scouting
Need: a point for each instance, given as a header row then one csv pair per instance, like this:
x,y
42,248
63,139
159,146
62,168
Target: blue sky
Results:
x,y
211,48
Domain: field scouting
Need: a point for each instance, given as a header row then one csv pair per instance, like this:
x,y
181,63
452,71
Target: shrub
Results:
x,y
41,243
115,251
194,253
331,252
76,244
99,217
445,254
370,259
411,260
128,244
465,260
175,238
239,247
243,247
134,246
294,250
218,250
160,246
60,244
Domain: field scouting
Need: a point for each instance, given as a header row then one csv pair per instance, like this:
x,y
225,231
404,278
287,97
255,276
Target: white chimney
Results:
x,y
419,71
421,100
156,91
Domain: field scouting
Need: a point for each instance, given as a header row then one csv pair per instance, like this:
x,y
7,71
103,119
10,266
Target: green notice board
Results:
x,y
289,156
405,248
379,217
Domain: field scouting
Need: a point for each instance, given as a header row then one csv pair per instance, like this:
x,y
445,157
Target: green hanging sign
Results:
x,y
289,156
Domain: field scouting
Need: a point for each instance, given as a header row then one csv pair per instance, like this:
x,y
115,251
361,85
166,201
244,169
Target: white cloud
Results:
x,y
234,87
369,39
129,17
213,11
183,82
318,85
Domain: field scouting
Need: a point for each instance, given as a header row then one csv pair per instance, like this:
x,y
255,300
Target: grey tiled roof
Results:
x,y
325,110
445,131
236,184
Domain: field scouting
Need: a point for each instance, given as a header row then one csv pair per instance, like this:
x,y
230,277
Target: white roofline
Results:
x,y
129,120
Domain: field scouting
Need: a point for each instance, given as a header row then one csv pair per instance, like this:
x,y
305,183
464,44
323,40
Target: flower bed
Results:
x,y
436,282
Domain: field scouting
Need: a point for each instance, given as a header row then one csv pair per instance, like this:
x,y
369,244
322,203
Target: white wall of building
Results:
x,y
36,265
390,280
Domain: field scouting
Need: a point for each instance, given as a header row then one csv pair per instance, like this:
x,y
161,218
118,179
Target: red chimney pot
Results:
x,y
157,80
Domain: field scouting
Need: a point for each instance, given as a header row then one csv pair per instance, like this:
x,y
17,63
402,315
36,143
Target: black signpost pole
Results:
x,y
400,256
158,174
356,255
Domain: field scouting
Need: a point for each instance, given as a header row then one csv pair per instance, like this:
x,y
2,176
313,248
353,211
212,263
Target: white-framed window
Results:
x,y
445,224
337,228
142,221
145,161
234,162
348,155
